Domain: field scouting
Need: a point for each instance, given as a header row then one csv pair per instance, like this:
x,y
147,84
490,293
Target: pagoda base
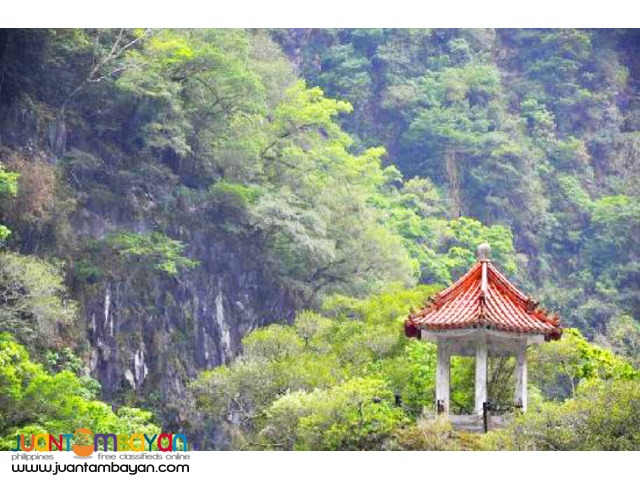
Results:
x,y
475,423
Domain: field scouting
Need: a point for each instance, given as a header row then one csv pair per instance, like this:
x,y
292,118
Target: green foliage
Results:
x,y
161,252
4,232
269,151
575,194
329,362
35,306
349,379
63,359
538,138
8,188
411,375
35,401
616,222
323,233
443,249
235,194
540,121
606,264
391,304
356,415
8,183
177,70
623,333
215,124
558,368
347,74
602,416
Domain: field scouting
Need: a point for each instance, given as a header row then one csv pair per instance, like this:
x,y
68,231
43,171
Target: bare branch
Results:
x,y
116,51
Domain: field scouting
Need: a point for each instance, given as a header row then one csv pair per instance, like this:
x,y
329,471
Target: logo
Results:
x,y
85,442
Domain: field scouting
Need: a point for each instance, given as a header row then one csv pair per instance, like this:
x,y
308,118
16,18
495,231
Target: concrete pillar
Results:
x,y
443,375
520,397
481,374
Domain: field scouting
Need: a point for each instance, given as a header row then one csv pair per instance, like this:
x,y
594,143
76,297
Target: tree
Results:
x,y
358,340
35,401
34,303
602,416
161,252
356,415
558,368
8,188
623,334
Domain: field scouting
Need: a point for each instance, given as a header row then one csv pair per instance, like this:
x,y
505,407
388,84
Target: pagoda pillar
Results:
x,y
442,377
520,397
481,374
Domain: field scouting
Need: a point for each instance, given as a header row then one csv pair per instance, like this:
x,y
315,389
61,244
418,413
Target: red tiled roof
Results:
x,y
499,305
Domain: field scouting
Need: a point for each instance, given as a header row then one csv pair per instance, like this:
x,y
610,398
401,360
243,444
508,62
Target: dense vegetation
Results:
x,y
35,400
536,130
347,379
152,180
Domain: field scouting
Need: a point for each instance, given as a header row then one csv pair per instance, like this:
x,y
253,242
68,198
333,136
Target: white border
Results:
x,y
318,13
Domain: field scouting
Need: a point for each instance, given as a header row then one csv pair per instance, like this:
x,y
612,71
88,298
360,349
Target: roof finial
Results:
x,y
484,252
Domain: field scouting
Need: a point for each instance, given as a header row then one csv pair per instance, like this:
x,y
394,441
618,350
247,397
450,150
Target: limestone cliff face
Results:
x,y
150,335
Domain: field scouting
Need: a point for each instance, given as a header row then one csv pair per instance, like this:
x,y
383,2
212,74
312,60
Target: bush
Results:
x,y
604,415
356,415
33,301
34,401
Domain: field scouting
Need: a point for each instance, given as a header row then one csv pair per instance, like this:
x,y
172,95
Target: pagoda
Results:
x,y
482,314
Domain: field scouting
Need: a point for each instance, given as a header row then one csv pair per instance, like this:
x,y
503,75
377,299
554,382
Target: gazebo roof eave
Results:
x,y
452,333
